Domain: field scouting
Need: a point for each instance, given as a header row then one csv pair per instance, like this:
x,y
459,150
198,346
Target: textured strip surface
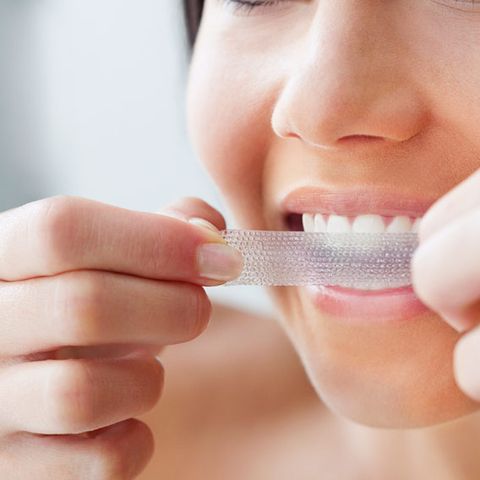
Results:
x,y
361,260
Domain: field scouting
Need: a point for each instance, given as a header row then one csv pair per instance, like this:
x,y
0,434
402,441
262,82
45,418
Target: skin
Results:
x,y
91,293
311,79
306,95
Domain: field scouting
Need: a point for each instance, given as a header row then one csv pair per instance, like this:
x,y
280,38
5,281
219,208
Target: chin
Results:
x,y
388,401
383,374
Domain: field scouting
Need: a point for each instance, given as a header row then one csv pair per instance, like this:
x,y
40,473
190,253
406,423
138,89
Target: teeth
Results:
x,y
368,223
416,224
338,224
400,225
308,220
320,223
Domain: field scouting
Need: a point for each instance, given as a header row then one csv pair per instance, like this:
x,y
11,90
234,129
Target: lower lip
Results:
x,y
396,304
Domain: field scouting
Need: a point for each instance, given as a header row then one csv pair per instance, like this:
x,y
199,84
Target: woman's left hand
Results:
x,y
446,273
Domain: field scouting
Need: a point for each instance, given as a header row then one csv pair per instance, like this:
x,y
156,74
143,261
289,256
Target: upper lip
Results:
x,y
353,201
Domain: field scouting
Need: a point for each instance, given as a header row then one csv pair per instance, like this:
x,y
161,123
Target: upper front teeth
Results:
x,y
362,223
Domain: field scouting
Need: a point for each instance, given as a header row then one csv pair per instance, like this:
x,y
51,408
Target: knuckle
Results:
x,y
71,397
79,300
56,228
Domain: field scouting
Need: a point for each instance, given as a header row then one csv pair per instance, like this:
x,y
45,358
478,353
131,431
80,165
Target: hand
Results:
x,y
89,293
446,273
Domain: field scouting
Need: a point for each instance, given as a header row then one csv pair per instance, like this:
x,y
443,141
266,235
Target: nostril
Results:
x,y
360,139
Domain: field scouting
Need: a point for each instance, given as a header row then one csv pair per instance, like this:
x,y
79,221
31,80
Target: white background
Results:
x,y
92,104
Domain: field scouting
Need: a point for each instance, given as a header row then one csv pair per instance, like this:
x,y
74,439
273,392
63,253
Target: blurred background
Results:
x,y
92,104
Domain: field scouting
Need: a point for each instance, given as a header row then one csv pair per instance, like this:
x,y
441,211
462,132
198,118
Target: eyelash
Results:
x,y
246,6
462,5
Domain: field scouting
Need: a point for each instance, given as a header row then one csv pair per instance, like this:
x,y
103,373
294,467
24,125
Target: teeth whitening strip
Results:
x,y
356,260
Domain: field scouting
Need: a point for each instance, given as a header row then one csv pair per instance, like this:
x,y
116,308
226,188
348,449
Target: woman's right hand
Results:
x,y
89,294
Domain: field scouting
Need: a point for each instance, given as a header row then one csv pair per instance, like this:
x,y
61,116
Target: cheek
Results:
x,y
446,68
228,118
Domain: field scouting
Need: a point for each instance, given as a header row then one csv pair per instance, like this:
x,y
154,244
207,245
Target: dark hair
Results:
x,y
192,10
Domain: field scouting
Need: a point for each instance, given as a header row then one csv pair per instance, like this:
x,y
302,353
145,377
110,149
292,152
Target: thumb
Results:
x,y
196,211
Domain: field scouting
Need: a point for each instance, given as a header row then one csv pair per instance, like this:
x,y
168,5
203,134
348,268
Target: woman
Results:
x,y
327,115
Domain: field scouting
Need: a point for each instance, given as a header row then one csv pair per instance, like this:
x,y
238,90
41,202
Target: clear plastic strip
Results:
x,y
357,260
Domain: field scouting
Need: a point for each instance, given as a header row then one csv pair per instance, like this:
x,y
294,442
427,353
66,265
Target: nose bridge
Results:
x,y
352,51
349,81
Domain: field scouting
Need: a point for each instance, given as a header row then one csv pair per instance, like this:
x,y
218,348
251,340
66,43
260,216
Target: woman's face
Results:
x,y
351,108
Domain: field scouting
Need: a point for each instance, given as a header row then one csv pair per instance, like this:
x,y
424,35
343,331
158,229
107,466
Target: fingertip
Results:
x,y
126,448
465,363
201,222
424,275
209,231
186,208
212,232
173,213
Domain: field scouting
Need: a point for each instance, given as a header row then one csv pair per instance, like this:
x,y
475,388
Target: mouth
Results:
x,y
362,223
357,210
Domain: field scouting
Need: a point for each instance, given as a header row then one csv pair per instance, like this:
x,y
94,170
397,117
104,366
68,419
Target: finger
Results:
x,y
188,208
61,234
91,307
466,361
463,198
74,396
446,270
120,451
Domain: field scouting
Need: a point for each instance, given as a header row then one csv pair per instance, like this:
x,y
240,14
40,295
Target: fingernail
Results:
x,y
219,261
201,222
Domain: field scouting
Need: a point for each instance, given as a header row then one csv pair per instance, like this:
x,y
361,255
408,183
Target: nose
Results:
x,y
351,81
